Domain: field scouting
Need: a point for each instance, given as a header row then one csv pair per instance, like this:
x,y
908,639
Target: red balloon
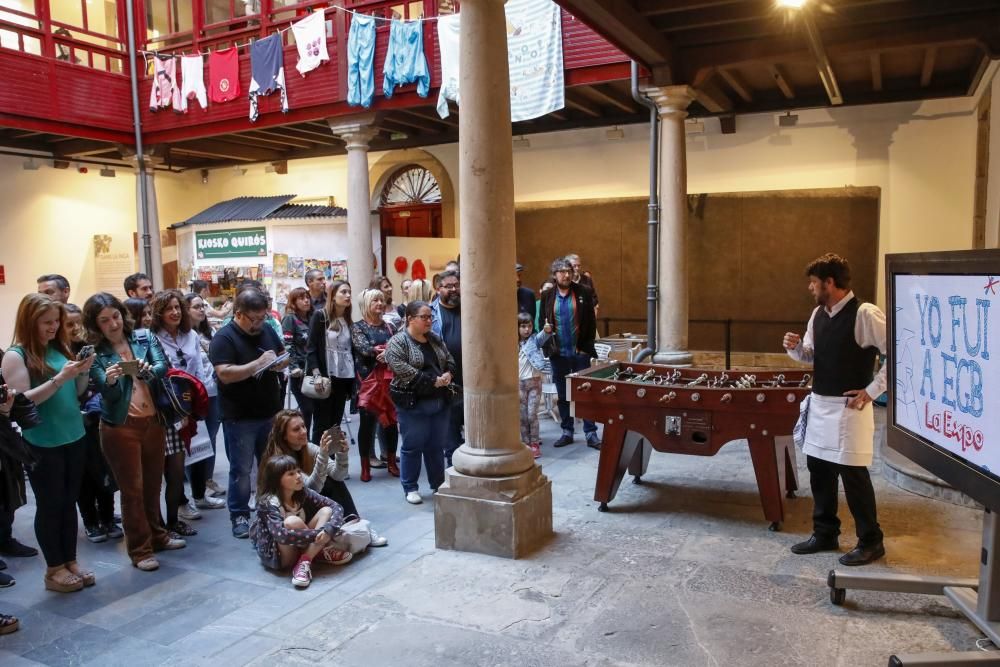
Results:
x,y
419,272
400,264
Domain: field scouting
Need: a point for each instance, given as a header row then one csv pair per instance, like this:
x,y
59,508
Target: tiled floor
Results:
x,y
682,571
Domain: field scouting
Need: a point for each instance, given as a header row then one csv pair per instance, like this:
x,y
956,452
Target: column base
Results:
x,y
673,358
498,516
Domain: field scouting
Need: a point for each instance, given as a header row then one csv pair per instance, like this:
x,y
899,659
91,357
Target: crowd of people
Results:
x,y
86,412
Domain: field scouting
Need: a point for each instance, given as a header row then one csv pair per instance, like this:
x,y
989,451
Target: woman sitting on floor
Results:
x,y
321,473
294,524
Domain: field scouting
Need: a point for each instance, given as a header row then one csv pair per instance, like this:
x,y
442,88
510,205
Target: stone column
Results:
x,y
672,316
357,133
495,499
155,268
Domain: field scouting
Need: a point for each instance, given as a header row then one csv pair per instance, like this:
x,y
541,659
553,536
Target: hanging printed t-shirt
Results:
x,y
193,82
535,58
267,72
224,75
310,40
404,60
165,90
448,31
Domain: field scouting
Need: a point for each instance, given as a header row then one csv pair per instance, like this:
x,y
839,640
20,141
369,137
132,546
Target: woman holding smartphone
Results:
x,y
131,434
41,366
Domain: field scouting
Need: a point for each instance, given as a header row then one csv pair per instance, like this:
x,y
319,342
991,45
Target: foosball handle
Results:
x,y
610,389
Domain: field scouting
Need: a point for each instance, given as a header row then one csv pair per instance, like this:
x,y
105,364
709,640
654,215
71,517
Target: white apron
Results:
x,y
839,434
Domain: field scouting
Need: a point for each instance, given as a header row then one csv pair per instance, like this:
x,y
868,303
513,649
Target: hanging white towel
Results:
x,y
535,58
310,40
193,81
448,32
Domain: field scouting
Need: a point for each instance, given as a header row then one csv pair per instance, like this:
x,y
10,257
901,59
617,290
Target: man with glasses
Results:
x,y
568,311
240,350
447,323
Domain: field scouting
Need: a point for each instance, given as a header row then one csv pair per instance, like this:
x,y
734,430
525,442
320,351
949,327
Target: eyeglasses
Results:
x,y
254,320
450,286
180,357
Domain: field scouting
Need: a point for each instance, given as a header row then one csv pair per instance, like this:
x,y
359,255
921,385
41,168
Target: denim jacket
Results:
x,y
116,397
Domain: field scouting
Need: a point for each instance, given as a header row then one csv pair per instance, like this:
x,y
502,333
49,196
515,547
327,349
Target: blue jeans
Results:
x,y
245,441
424,430
456,419
361,61
561,367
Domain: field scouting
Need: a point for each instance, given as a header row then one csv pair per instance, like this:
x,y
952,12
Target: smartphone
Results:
x,y
85,352
130,367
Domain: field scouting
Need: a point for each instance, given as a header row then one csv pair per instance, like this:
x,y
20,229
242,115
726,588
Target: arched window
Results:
x,y
411,185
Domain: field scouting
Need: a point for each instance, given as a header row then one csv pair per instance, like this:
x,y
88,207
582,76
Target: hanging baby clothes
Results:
x,y
165,90
193,82
224,74
361,61
310,40
448,32
404,60
267,72
535,58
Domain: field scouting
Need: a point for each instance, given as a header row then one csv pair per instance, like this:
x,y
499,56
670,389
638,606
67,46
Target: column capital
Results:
x,y
671,99
356,131
154,156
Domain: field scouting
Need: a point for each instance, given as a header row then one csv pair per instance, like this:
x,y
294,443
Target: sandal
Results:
x,y
8,624
86,576
66,584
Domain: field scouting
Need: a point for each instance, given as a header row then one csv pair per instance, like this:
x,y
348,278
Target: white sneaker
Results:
x,y
188,512
209,503
214,487
414,498
377,540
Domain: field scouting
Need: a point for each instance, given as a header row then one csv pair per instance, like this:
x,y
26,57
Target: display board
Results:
x,y
945,371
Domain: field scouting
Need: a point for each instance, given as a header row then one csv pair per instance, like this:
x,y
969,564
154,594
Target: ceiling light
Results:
x,y
792,4
615,133
788,120
204,176
108,172
521,142
30,164
694,126
397,136
239,171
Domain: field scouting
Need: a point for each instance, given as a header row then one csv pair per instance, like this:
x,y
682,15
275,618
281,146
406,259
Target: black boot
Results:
x,y
815,544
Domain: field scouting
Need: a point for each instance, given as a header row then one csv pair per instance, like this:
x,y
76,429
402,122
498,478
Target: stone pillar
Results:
x,y
672,316
495,500
357,133
155,267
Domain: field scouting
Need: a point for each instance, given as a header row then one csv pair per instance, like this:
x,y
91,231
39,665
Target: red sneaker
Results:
x,y
335,556
302,575
536,449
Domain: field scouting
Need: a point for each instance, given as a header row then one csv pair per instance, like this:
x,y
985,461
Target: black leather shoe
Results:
x,y
14,548
3,565
563,441
860,555
815,545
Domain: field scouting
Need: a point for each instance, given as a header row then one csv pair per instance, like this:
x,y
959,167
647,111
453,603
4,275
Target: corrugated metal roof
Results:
x,y
260,208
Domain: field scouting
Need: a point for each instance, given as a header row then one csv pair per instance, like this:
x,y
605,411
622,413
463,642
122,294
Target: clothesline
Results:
x,y
352,12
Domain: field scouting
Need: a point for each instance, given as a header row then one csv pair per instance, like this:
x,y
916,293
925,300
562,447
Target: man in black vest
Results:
x,y
842,340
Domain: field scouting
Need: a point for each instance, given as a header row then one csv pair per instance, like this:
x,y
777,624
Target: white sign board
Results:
x,y
947,370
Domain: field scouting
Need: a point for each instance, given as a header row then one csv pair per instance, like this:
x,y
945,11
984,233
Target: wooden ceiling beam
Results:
x,y
626,28
80,147
930,58
875,61
983,28
659,7
604,97
781,82
410,121
823,66
315,136
223,149
274,136
451,122
736,83
579,106
714,17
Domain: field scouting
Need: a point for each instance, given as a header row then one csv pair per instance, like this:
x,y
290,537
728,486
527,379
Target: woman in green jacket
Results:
x,y
41,366
132,437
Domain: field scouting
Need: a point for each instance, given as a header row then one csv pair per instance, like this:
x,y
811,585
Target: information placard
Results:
x,y
248,242
947,374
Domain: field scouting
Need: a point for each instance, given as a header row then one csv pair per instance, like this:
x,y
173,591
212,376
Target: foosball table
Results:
x,y
692,411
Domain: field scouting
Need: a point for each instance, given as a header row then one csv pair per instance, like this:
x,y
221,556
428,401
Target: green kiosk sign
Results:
x,y
251,242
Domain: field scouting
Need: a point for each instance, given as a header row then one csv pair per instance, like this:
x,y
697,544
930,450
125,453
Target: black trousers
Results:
x,y
823,476
338,493
97,487
329,412
388,437
56,483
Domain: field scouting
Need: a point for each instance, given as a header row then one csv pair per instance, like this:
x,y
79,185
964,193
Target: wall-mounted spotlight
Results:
x,y
204,176
788,120
239,171
60,164
694,126
30,164
521,142
615,133
108,172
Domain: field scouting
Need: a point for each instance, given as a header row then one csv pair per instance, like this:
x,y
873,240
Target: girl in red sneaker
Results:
x,y
294,524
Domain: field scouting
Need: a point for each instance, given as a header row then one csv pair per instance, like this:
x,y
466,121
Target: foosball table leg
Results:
x,y
603,507
637,479
775,527
790,493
